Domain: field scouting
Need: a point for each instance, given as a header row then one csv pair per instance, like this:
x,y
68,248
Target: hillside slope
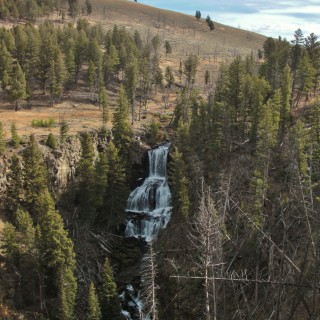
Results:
x,y
186,35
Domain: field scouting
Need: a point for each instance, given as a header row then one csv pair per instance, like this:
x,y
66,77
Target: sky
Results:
x,y
269,17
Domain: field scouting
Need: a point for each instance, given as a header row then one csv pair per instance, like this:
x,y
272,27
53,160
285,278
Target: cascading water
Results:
x,y
149,211
149,205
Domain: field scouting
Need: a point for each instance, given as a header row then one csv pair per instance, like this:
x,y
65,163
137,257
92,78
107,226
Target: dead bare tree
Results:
x,y
206,238
149,287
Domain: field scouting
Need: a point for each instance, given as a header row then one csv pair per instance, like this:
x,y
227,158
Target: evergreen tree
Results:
x,y
179,184
67,291
51,141
190,66
116,193
86,172
198,15
111,63
14,190
35,173
167,47
153,133
286,85
207,77
2,140
169,77
10,244
131,82
145,81
48,52
180,71
58,76
104,103
121,127
110,305
64,129
100,181
57,259
5,66
88,7
14,136
94,307
18,86
137,39
91,75
155,42
304,77
70,65
26,228
267,132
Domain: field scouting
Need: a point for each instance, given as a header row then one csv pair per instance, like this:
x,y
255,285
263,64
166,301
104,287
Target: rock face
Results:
x,y
63,162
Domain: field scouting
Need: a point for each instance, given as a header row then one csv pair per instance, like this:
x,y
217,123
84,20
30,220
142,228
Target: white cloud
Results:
x,y
268,17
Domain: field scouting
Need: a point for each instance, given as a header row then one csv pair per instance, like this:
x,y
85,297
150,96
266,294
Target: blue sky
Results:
x,y
269,17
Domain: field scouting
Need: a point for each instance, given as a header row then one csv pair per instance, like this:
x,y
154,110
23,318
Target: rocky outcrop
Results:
x,y
62,163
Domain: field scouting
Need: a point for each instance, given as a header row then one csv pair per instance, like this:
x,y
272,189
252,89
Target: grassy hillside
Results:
x,y
183,31
186,36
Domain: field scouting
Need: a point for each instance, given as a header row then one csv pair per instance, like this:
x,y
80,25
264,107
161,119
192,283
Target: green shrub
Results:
x,y
51,141
49,123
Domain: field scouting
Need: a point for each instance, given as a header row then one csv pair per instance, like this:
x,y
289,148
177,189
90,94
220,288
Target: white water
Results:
x,y
148,206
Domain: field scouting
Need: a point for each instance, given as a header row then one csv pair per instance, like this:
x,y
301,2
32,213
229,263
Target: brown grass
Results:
x,y
184,33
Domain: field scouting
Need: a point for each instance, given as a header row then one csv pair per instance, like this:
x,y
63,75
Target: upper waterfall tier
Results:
x,y
148,206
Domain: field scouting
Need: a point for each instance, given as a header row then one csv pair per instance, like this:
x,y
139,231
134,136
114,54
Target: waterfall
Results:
x,y
149,211
148,206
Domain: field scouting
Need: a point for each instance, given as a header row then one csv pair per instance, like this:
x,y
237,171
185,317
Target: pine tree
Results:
x,y
59,76
169,77
67,292
14,136
116,193
34,174
94,307
14,190
110,305
25,226
268,130
64,129
304,77
18,86
104,103
131,82
190,66
207,77
111,63
5,66
167,47
88,7
198,15
86,172
153,133
91,76
70,64
10,244
2,140
57,258
101,181
51,141
179,183
286,85
121,127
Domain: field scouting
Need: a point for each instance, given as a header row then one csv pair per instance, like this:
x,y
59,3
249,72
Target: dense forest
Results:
x,y
243,241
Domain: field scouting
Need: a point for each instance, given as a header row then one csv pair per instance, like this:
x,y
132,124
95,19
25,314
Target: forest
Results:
x,y
243,168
